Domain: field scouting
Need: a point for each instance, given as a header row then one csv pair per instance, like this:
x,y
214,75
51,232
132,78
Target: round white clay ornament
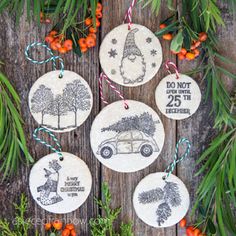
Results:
x,y
60,186
161,202
130,57
127,140
178,98
60,104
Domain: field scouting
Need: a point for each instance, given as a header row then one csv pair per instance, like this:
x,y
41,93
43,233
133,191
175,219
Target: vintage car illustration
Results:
x,y
128,142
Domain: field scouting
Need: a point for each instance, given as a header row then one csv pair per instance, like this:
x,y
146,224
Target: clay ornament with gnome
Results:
x,y
130,54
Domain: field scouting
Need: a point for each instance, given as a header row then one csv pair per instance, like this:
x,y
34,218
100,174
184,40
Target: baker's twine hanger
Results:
x,y
170,168
128,14
168,64
102,77
53,58
56,149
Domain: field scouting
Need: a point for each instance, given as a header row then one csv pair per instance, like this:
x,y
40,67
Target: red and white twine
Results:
x,y
128,14
167,66
102,77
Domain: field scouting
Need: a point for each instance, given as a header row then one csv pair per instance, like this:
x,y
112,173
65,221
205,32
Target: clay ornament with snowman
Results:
x,y
130,57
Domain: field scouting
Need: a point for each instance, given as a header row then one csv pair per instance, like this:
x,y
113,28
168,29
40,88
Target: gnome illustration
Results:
x,y
133,66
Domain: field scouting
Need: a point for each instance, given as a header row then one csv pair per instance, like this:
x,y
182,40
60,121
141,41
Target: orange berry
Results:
x,y
183,51
53,46
190,56
73,232
90,42
62,50
88,21
58,45
84,49
49,39
167,36
181,56
65,232
41,14
183,222
162,26
196,52
98,14
97,23
70,226
47,226
82,42
68,44
53,33
92,35
57,224
92,30
196,232
197,44
203,36
189,231
99,6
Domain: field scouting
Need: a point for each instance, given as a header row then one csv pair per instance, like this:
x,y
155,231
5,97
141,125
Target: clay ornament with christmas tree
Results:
x,y
60,105
127,140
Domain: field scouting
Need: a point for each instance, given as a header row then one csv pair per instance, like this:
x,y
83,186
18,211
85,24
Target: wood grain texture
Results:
x,y
22,74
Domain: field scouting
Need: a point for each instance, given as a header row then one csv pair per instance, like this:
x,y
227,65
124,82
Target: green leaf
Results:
x,y
170,28
76,47
211,227
177,42
170,5
202,210
226,72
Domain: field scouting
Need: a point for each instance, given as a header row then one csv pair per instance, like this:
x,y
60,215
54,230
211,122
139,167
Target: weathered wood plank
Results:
x,y
199,128
22,74
123,185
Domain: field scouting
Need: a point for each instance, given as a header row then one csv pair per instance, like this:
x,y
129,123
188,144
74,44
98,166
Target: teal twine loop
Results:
x,y
58,150
178,159
53,58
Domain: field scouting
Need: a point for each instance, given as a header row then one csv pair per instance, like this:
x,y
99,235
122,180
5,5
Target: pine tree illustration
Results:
x,y
150,196
163,213
76,97
172,195
144,123
41,100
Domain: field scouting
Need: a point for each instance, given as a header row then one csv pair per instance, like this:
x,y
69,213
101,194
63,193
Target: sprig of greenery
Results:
x,y
216,198
102,226
216,192
22,224
156,5
12,138
56,8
